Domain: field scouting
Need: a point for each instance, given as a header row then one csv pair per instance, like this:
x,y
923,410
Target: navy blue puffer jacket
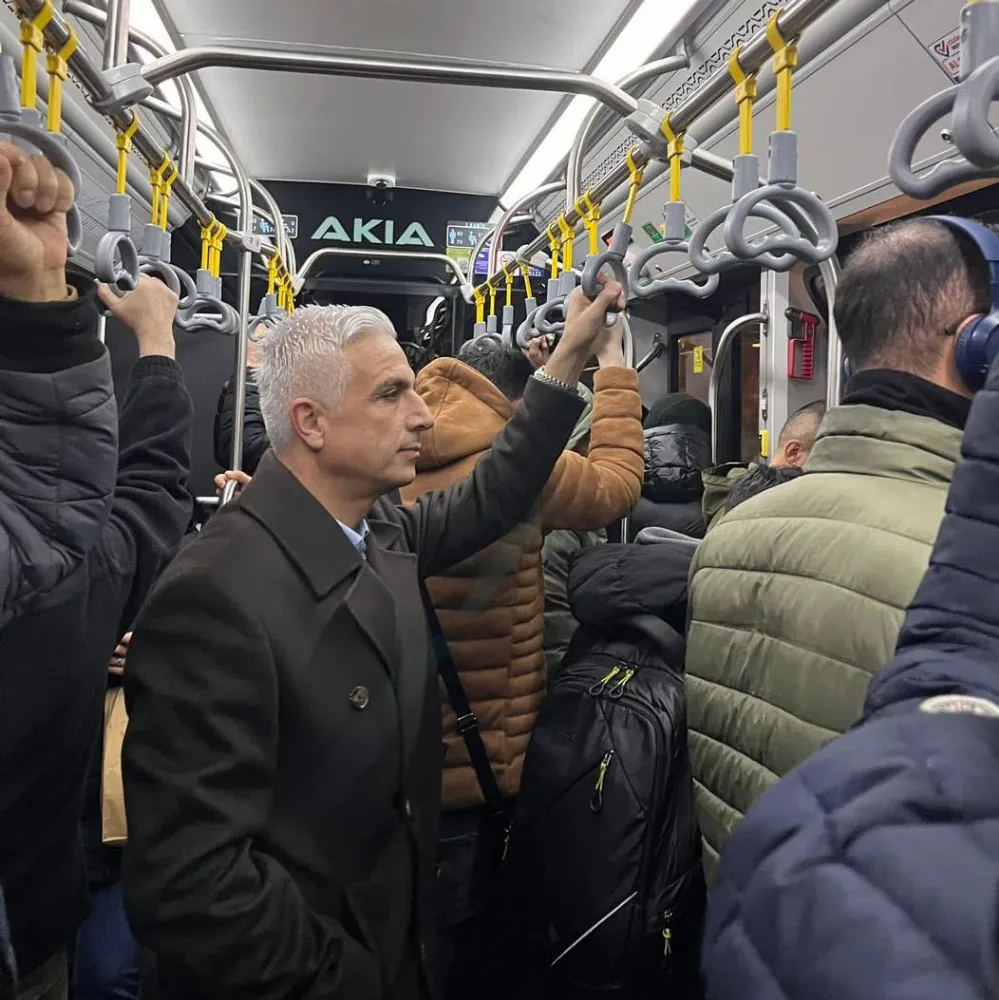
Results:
x,y
871,872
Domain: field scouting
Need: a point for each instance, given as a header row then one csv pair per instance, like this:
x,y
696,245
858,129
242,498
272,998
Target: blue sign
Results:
x,y
264,227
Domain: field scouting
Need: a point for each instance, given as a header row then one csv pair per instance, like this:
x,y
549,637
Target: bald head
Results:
x,y
797,437
903,293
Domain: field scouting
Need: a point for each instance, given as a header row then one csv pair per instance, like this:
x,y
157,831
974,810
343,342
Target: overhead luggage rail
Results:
x,y
968,103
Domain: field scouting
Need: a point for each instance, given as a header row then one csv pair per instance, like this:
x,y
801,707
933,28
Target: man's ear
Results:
x,y
306,420
794,454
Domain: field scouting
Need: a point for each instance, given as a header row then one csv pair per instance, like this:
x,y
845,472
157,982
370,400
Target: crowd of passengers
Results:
x,y
289,753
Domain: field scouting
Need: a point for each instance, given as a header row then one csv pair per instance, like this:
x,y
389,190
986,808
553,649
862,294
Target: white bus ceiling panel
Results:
x,y
431,136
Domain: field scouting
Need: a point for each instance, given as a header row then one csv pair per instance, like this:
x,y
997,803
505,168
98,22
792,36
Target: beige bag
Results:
x,y
114,829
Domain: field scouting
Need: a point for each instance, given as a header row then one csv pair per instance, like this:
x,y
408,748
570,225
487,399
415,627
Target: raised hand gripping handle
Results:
x,y
167,273
612,258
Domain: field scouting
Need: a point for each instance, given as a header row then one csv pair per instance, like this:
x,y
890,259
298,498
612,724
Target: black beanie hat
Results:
x,y
678,408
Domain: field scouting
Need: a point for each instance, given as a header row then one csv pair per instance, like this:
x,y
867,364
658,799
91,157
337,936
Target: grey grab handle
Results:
x,y
795,245
714,263
167,273
941,176
526,331
188,289
969,122
116,245
688,286
543,324
52,147
209,312
612,257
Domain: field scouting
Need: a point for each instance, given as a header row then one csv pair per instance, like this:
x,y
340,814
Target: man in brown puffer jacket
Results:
x,y
491,607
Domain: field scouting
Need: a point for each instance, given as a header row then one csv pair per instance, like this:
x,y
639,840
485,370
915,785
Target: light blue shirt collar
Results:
x,y
357,538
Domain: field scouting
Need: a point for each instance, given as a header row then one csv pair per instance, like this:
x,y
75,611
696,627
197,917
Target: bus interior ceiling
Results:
x,y
386,183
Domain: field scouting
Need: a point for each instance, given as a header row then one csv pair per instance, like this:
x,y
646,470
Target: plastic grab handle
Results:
x,y
613,258
207,314
526,332
969,122
546,326
688,286
941,176
714,263
156,268
783,242
116,262
188,289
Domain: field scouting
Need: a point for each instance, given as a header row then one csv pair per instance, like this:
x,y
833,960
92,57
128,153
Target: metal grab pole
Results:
x,y
577,154
720,363
116,36
496,247
451,264
793,19
188,103
242,345
467,73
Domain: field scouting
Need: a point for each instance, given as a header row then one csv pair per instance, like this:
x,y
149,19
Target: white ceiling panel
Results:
x,y
431,136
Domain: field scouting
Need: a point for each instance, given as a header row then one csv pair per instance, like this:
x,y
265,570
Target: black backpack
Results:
x,y
605,889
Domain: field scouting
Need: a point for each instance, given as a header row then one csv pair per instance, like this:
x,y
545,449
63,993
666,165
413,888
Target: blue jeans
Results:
x,y
107,956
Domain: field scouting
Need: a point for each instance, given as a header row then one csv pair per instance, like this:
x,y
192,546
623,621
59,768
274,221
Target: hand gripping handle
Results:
x,y
546,326
156,268
783,242
613,258
708,262
643,289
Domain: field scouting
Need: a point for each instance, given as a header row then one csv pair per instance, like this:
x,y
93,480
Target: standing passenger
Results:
x,y
282,762
797,596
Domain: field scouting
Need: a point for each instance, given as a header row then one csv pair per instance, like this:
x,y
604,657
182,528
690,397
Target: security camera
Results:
x,y
380,187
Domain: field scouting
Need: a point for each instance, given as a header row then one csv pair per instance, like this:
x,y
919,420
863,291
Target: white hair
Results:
x,y
303,357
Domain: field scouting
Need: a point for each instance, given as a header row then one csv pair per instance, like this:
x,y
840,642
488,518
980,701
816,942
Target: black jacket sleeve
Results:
x,y
447,526
58,443
152,505
255,441
200,759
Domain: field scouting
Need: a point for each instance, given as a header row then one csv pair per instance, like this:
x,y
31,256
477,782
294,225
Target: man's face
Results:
x,y
372,439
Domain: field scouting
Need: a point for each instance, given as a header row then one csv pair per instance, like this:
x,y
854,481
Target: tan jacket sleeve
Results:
x,y
587,493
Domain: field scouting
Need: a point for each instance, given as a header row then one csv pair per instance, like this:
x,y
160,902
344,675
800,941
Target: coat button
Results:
x,y
359,698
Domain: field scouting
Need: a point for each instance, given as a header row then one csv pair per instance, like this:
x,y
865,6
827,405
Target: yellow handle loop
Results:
x,y
57,66
589,211
221,233
492,297
674,153
526,272
637,175
745,94
553,246
33,40
123,140
785,63
207,233
568,235
156,180
480,305
167,191
273,269
509,286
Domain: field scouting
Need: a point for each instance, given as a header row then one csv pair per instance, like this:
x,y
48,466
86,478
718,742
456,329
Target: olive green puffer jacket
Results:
x,y
797,597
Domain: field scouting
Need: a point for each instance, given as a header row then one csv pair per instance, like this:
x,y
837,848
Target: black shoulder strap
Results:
x,y
467,725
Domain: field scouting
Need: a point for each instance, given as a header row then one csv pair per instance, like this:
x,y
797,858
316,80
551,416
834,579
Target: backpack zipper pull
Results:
x,y
597,802
667,934
618,690
598,688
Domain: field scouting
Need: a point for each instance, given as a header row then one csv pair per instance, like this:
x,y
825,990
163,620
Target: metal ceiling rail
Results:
x,y
465,73
188,103
499,230
792,21
90,78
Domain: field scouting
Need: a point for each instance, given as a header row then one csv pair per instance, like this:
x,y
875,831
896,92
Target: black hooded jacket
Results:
x,y
675,455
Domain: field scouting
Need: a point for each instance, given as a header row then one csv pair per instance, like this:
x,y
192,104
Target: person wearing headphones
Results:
x,y
797,596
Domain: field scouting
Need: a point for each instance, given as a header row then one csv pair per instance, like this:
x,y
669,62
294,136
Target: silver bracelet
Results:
x,y
542,376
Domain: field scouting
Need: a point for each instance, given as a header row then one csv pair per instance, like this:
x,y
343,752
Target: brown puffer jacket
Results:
x,y
491,607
